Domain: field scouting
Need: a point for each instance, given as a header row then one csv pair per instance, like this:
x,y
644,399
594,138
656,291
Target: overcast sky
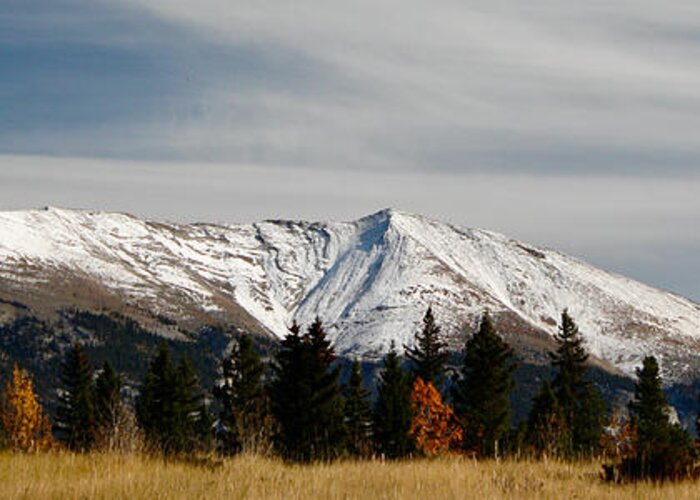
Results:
x,y
569,124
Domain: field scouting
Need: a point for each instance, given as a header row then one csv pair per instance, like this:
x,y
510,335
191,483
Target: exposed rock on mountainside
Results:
x,y
370,280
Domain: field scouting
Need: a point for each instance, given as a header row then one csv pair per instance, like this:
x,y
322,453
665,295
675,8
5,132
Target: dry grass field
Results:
x,y
45,476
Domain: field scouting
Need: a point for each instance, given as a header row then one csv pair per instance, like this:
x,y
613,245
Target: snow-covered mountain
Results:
x,y
370,280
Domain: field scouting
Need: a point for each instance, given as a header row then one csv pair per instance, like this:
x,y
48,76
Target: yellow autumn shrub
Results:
x,y
26,426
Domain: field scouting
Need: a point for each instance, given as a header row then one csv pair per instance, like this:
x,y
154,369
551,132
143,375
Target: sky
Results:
x,y
567,124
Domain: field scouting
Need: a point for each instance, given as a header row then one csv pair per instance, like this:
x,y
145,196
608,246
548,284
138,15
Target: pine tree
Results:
x,y
428,355
290,394
75,415
169,403
242,399
25,424
649,407
663,450
358,414
156,400
588,424
697,422
329,432
109,410
392,414
204,428
189,405
580,402
306,397
108,387
547,432
481,391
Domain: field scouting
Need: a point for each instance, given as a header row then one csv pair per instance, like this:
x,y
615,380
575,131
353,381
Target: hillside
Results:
x,y
370,280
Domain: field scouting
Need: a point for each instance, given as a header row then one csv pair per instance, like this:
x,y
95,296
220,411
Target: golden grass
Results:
x,y
64,475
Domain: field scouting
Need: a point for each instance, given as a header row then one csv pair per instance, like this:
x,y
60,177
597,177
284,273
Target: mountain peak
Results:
x,y
369,280
384,214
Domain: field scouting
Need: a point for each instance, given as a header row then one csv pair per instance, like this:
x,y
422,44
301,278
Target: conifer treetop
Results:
x,y
428,354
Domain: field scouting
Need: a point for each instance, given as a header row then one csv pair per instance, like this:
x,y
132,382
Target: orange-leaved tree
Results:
x,y
434,427
26,426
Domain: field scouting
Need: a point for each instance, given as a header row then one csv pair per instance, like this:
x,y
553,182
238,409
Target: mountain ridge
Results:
x,y
370,280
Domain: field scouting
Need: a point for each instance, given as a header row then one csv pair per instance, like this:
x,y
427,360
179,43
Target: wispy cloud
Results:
x,y
555,87
563,86
567,123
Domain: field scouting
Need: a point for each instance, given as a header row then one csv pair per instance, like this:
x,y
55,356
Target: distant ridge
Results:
x,y
370,280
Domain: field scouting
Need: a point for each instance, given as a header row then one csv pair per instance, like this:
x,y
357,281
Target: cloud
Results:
x,y
566,86
556,88
571,124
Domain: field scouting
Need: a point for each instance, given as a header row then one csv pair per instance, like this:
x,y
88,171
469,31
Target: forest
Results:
x,y
299,408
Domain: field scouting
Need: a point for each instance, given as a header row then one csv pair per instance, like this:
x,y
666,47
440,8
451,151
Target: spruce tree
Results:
x,y
546,431
204,428
329,431
649,407
588,424
108,404
189,405
290,394
156,400
242,398
169,402
580,402
428,355
392,413
482,388
108,387
305,396
697,421
358,414
664,450
75,415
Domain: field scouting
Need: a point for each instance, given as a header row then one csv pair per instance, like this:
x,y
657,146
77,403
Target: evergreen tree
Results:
x,y
482,389
305,396
547,432
664,450
649,407
589,420
156,400
75,415
428,355
110,413
242,397
290,394
108,404
580,402
697,422
358,414
392,414
190,410
168,406
329,431
204,428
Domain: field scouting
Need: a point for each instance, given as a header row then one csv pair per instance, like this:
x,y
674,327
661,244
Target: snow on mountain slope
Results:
x,y
369,280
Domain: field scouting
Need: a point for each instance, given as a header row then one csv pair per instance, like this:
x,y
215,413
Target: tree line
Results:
x,y
296,406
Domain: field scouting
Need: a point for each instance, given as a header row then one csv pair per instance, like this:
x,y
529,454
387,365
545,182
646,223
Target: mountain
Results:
x,y
370,280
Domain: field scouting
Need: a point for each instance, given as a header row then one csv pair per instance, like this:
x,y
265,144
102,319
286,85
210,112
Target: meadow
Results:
x,y
66,475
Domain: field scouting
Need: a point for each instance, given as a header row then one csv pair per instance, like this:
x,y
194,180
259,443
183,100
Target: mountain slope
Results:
x,y
370,280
